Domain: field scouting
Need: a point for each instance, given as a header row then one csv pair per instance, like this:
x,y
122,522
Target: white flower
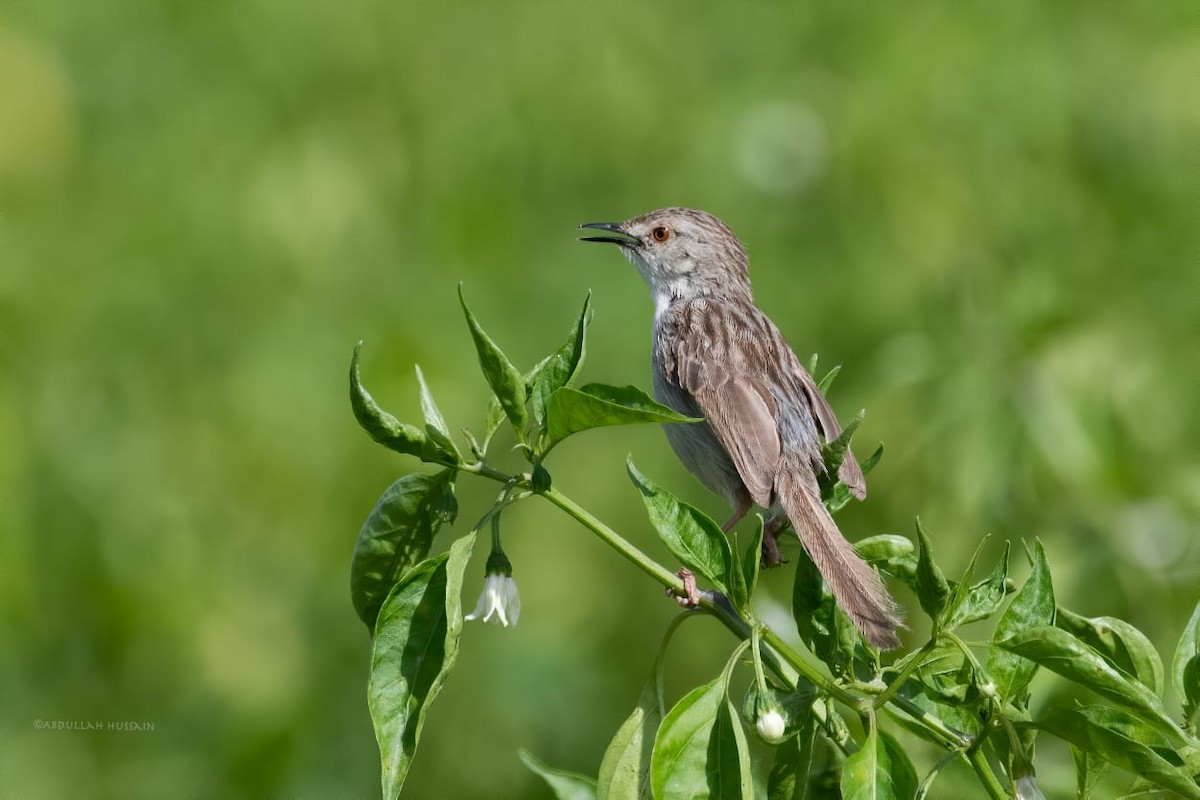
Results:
x,y
1027,789
770,726
499,598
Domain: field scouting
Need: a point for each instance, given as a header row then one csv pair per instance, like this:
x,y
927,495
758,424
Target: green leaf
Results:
x,y
823,625
379,424
689,534
1121,644
1089,769
565,785
625,769
1032,607
507,383
598,405
1125,741
1185,666
415,645
872,460
435,425
827,381
878,771
894,554
933,590
973,602
752,561
700,750
397,534
493,419
962,719
834,453
557,369
1060,652
789,776
958,591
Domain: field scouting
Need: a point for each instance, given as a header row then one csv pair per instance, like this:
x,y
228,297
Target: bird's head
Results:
x,y
681,252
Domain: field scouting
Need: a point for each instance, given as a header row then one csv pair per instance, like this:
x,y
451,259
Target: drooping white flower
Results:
x,y
499,600
770,726
1027,789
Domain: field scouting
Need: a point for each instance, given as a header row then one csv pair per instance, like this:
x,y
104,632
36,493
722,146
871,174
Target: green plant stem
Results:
x,y
984,770
951,739
908,670
724,612
614,540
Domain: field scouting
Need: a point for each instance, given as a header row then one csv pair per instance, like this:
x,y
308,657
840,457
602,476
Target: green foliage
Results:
x,y
625,769
565,785
1185,669
879,770
597,405
415,645
1032,607
933,590
969,700
397,534
688,533
700,750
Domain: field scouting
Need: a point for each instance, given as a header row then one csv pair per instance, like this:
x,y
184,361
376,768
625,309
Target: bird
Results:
x,y
718,357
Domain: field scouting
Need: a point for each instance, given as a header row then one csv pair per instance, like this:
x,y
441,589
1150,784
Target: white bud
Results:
x,y
770,726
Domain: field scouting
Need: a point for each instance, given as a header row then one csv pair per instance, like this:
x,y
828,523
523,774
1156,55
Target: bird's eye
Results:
x,y
661,234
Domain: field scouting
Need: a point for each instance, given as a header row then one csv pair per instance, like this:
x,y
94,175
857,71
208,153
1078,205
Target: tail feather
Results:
x,y
854,584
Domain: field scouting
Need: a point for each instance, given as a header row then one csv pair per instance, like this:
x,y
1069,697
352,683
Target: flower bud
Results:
x,y
770,726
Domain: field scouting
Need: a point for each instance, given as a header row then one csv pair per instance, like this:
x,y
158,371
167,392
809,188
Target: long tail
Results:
x,y
853,582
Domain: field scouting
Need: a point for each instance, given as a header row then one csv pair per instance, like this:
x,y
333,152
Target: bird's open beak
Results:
x,y
622,238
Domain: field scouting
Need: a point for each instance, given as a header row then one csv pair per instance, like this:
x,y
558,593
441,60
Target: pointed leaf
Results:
x,y
558,368
1125,741
598,405
1121,644
880,770
565,785
834,453
691,536
933,590
893,554
435,425
789,777
397,534
823,625
973,602
625,769
872,460
1185,666
700,750
1060,652
827,381
1032,607
752,562
493,419
958,593
507,383
379,424
416,644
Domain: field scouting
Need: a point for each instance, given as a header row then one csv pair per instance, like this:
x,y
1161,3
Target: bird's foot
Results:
x,y
771,556
690,598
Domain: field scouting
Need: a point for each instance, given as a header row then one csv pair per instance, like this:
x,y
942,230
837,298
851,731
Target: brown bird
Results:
x,y
717,356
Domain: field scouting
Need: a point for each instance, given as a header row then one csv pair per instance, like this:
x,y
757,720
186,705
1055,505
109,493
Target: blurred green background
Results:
x,y
985,211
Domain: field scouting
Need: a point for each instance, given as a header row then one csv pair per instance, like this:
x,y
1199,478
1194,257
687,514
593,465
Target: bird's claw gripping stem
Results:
x,y
690,598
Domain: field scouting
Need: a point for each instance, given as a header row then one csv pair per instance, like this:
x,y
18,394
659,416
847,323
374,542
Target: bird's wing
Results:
x,y
739,408
850,473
